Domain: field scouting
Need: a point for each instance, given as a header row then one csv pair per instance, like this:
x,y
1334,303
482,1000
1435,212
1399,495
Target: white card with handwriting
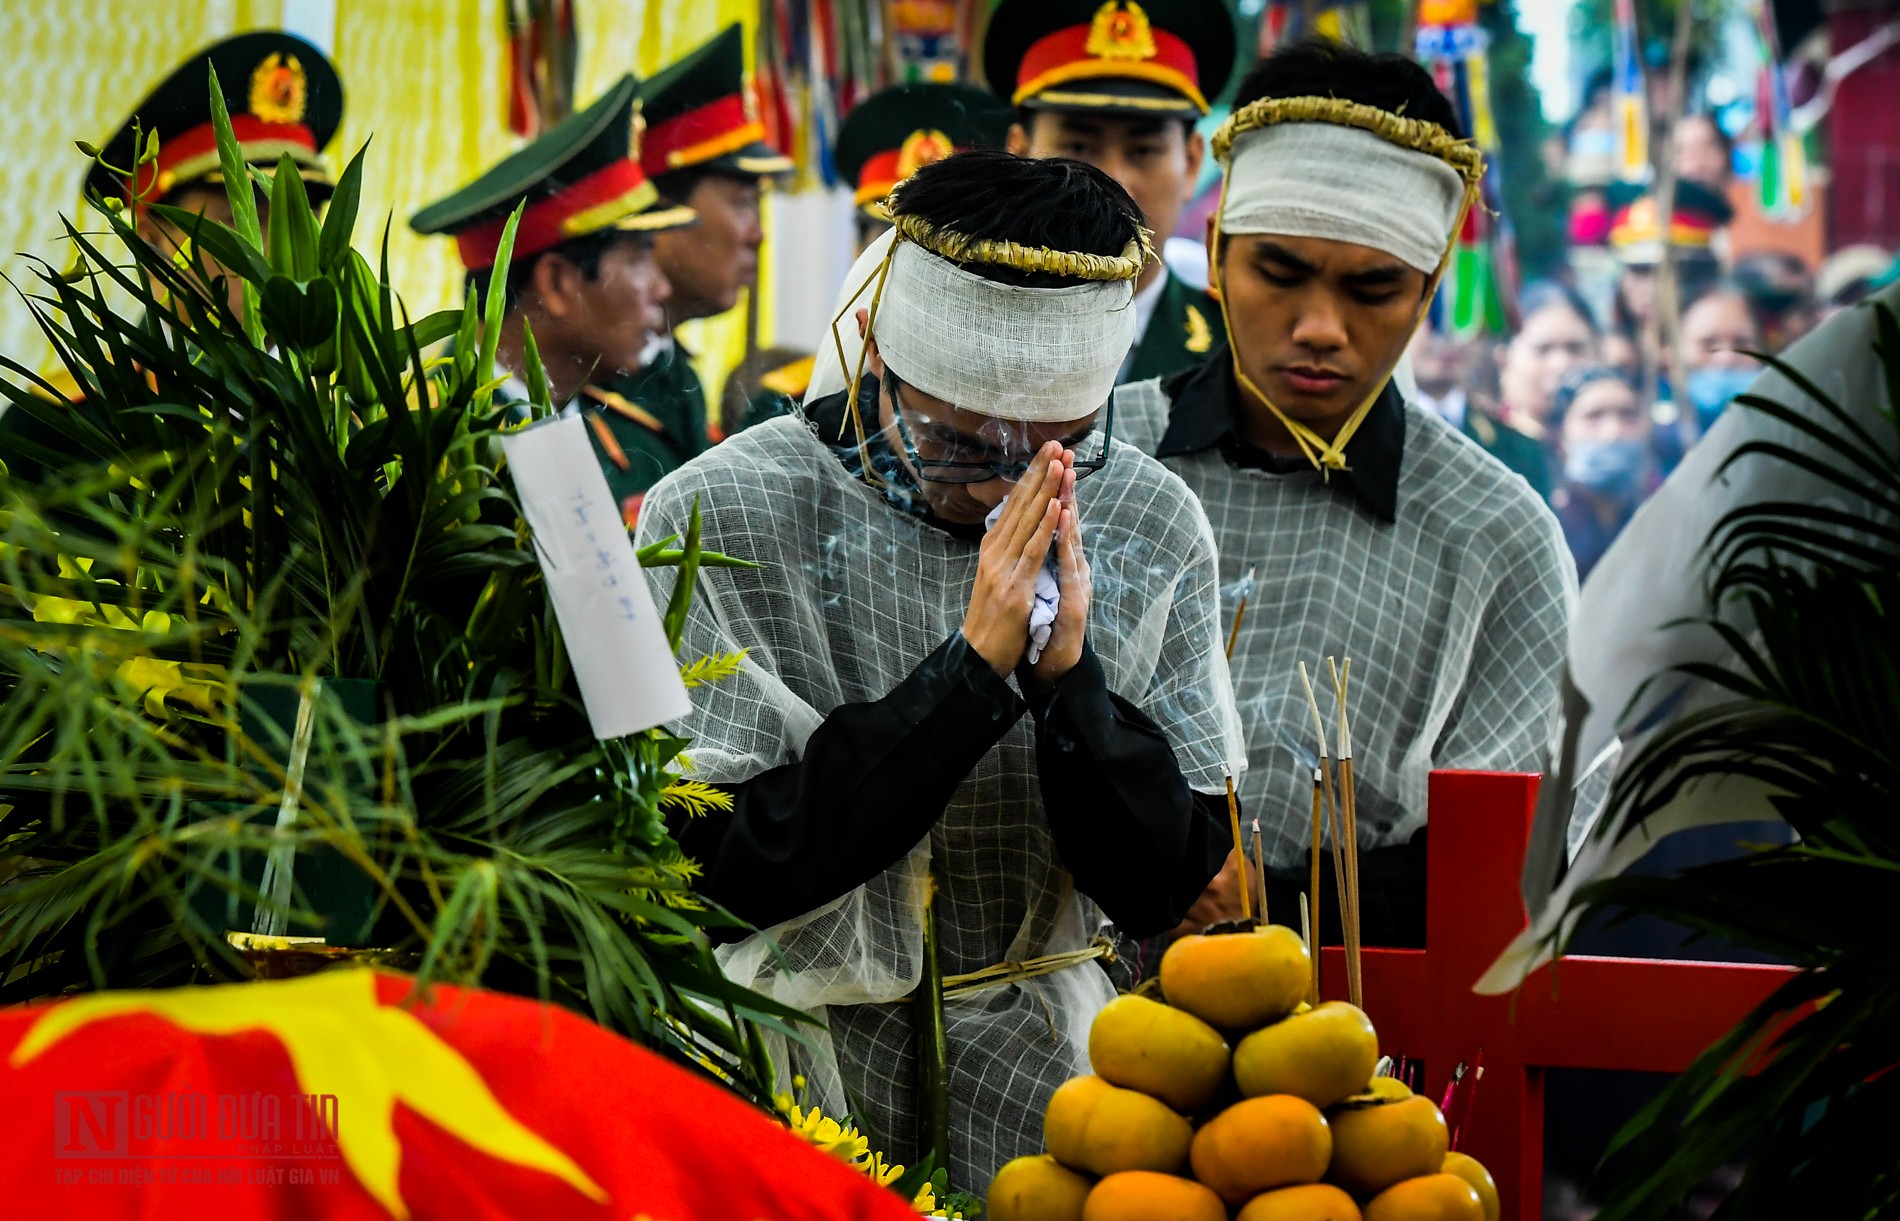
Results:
x,y
615,639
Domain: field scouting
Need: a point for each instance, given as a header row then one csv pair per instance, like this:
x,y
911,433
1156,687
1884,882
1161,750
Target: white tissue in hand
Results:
x,y
1042,612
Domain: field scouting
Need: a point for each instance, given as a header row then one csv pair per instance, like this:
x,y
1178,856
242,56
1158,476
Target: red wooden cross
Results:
x,y
1602,1013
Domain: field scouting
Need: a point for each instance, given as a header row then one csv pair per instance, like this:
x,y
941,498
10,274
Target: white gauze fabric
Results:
x,y
1030,354
1346,185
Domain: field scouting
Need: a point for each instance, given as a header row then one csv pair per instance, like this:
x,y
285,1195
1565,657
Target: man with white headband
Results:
x,y
1373,530
893,743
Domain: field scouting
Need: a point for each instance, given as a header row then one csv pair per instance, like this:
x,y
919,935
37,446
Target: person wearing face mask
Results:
x,y
1373,529
1602,441
1121,86
1555,335
1719,331
899,739
582,275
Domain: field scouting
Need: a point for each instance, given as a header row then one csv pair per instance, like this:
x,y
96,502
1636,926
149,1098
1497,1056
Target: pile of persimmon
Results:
x,y
1235,1098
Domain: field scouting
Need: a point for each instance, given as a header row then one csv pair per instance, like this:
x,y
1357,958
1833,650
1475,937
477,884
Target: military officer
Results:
x,y
704,148
283,97
583,273
1122,87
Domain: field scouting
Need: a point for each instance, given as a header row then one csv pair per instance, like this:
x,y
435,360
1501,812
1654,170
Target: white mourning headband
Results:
x,y
1326,168
1002,350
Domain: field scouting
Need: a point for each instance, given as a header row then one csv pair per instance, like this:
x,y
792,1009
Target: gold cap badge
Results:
x,y
1121,31
278,89
921,148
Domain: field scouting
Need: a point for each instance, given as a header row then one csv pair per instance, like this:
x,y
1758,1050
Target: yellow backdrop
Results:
x,y
422,81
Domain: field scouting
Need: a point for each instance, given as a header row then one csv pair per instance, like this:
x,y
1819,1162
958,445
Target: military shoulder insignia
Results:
x,y
921,148
1121,31
1200,337
639,130
278,89
621,405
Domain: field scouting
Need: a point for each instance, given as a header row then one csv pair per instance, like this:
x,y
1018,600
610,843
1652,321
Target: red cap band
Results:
x,y
257,138
544,223
699,135
1064,56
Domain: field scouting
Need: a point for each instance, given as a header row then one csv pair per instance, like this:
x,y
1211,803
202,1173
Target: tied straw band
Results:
x,y
1004,350
1307,187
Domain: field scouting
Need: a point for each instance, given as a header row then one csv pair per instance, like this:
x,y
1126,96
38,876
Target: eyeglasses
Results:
x,y
943,465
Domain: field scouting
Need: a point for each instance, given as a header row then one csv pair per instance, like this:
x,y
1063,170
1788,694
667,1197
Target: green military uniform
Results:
x,y
580,177
1522,454
1184,328
647,424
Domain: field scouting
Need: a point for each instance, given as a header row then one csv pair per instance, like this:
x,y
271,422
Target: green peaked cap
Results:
x,y
281,92
580,176
1163,58
700,115
872,146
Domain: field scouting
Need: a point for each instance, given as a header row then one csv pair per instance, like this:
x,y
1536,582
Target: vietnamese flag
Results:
x,y
329,1098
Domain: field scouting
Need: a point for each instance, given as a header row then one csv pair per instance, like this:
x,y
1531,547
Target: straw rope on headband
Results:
x,y
962,248
1415,135
1419,135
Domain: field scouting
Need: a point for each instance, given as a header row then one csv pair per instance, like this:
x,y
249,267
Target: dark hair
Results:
x,y
585,252
1319,67
1054,202
1573,384
1723,286
1540,295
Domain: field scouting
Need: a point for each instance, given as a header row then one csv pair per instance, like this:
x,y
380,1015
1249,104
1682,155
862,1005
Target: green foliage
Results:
x,y
244,509
1536,204
1593,24
1805,1087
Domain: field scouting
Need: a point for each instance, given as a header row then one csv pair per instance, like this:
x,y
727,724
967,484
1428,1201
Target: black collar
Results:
x,y
829,419
1201,418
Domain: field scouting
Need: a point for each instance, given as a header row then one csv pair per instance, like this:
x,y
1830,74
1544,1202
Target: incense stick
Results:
x,y
1259,873
1311,898
1240,608
1240,849
1350,809
1324,775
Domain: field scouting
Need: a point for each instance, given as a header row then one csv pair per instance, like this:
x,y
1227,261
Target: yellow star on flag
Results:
x,y
341,1041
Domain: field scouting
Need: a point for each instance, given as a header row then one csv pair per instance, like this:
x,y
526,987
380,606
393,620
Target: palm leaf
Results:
x,y
1810,709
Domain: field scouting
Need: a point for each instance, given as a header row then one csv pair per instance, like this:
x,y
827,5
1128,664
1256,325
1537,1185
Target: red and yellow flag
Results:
x,y
343,1097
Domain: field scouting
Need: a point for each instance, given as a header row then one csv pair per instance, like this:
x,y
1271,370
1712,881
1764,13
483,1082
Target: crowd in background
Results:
x,y
1584,400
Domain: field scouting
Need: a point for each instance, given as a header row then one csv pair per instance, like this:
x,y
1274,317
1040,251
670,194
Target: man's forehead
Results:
x,y
1324,253
1085,123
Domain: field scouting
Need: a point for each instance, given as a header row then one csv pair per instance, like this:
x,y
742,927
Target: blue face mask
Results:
x,y
1612,469
1712,389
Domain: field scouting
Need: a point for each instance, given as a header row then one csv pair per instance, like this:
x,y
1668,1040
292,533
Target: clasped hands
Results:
x,y
1040,514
